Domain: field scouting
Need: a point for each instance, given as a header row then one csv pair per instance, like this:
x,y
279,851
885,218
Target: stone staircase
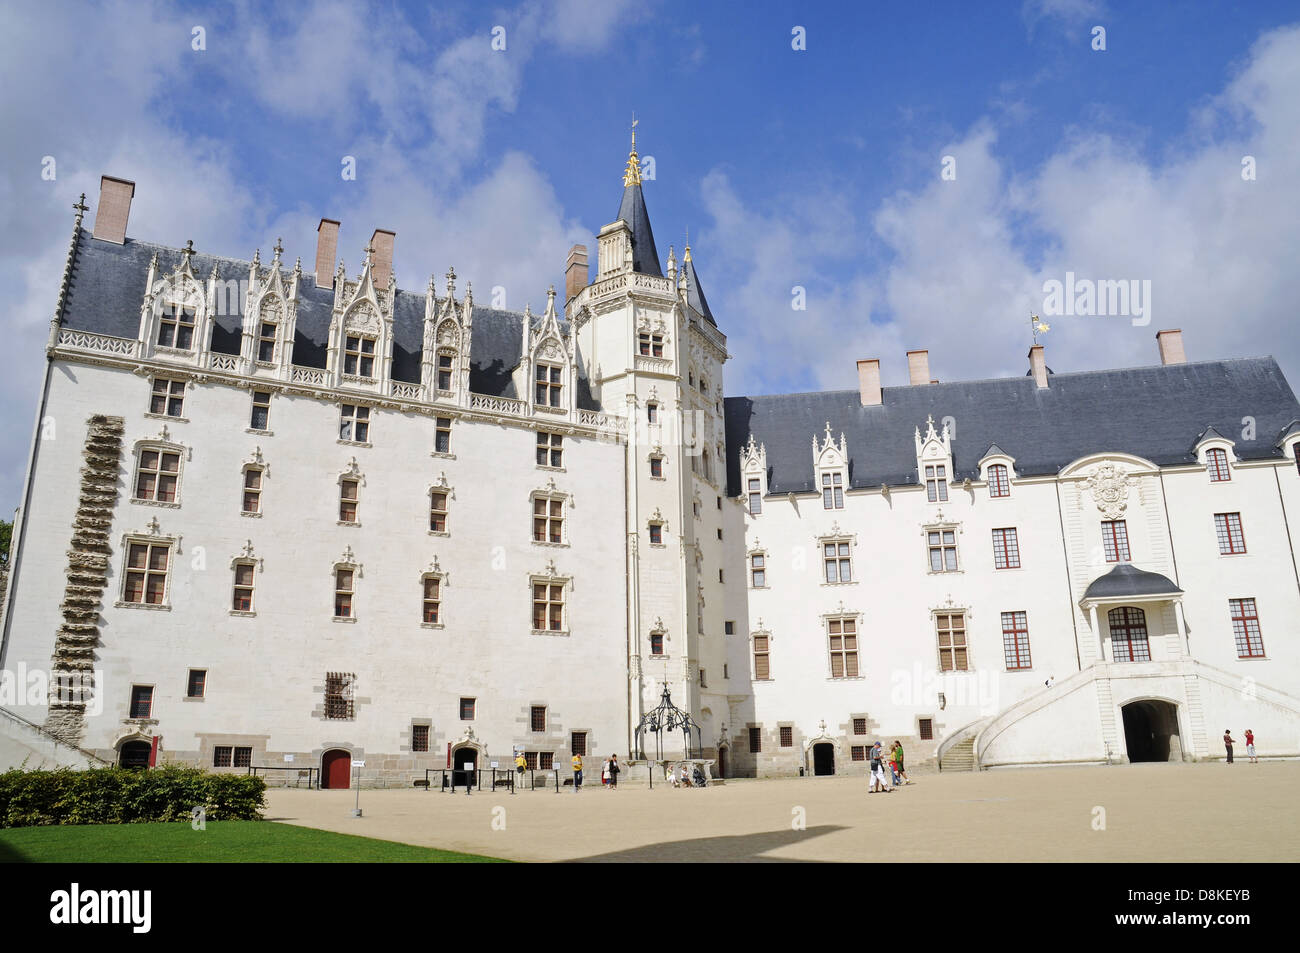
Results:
x,y
960,757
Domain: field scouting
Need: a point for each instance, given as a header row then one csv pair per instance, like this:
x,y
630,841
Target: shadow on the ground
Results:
x,y
740,848
12,855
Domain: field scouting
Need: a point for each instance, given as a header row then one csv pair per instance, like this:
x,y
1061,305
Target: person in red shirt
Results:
x,y
1250,746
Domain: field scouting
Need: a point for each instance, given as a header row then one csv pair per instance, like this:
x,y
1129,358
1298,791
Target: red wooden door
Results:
x,y
336,769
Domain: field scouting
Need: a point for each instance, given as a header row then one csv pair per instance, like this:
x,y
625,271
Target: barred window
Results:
x,y
858,752
859,726
252,490
1227,527
787,736
656,534
141,701
158,476
755,740
578,743
1114,540
261,416
419,737
925,728
338,694
1015,640
243,757
1245,628
550,449
1216,462
530,760
359,356
951,629
176,328
656,643
546,760
1006,549
168,397
537,717
146,573
843,647
936,483
761,669
222,756
1128,634
354,423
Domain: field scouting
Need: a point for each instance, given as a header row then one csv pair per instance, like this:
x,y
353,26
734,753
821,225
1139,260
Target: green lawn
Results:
x,y
222,842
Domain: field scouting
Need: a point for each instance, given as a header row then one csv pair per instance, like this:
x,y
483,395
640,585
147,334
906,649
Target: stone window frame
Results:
x,y
965,613
837,538
347,563
351,474
261,338
750,568
255,403
160,444
345,692
428,733
550,578
942,526
442,424
263,471
551,385
551,494
549,443
760,633
169,397
841,615
435,572
149,538
189,684
359,354
438,370
247,558
473,707
449,494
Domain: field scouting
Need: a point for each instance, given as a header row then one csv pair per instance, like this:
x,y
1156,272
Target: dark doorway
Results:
x,y
336,769
823,758
1151,731
722,763
135,754
459,758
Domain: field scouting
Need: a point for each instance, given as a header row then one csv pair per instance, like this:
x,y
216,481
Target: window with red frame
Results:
x,y
242,599
141,701
1128,634
1216,462
1006,549
1015,640
1227,527
1114,539
467,709
656,643
146,573
157,476
998,483
1245,628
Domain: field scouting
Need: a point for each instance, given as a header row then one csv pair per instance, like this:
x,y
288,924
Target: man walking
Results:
x,y
1228,742
614,769
520,764
577,773
898,759
878,770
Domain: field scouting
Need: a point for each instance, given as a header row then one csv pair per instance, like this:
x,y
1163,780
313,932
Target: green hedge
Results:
x,y
122,796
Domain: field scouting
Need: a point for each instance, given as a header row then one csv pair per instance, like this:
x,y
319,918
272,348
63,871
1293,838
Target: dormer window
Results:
x,y
832,491
359,356
546,391
755,498
176,328
936,483
998,483
266,343
444,372
1216,463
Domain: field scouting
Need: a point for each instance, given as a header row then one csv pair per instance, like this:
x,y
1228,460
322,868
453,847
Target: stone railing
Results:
x,y
308,375
659,365
404,390
89,341
651,283
498,405
223,362
602,421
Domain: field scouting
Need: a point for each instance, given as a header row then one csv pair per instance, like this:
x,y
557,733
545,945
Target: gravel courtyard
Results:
x,y
1152,812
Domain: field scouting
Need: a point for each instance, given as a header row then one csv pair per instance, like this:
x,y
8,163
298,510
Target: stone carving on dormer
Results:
x,y
828,454
1109,486
934,445
753,458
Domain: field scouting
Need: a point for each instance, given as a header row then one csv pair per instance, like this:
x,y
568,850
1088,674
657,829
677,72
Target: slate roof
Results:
x,y
1151,412
108,284
645,259
1127,580
695,294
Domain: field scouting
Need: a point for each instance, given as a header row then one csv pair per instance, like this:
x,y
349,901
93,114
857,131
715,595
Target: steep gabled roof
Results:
x,y
694,293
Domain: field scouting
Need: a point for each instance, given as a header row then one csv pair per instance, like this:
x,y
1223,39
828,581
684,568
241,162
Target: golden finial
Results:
x,y
632,174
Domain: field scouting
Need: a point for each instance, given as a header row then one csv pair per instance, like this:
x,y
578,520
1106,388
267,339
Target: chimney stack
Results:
x,y
869,382
382,242
1038,365
1171,346
327,249
114,206
918,367
575,272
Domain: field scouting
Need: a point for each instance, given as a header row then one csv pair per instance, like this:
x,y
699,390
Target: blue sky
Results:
x,y
816,168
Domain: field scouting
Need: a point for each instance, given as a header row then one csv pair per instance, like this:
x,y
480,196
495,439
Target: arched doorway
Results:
x,y
823,758
722,762
1151,731
460,757
336,769
134,754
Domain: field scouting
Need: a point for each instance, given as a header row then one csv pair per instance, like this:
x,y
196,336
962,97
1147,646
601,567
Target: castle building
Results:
x,y
296,519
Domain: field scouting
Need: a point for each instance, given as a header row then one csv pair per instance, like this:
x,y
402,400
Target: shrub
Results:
x,y
124,796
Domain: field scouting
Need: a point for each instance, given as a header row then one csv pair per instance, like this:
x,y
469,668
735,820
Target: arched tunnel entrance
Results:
x,y
1151,731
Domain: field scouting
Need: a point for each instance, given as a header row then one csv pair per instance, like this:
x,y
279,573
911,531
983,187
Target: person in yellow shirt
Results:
x,y
520,764
577,773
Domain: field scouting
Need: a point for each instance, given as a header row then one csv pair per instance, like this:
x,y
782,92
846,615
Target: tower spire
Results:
x,y
632,174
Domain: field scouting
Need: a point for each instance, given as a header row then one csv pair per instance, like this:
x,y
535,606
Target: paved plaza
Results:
x,y
1152,812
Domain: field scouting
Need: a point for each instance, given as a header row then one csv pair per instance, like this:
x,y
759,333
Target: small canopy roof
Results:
x,y
1126,580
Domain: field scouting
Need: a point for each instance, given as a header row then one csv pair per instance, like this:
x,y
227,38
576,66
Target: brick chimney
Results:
x,y
575,272
1171,346
918,367
869,382
1038,365
327,248
114,206
382,242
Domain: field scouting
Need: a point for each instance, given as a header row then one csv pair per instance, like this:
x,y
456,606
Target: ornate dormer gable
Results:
x,y
270,317
934,460
998,481
448,327
831,468
548,368
1210,439
753,475
176,314
1289,442
360,346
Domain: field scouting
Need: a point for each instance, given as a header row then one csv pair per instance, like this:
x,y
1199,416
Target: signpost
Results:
x,y
356,811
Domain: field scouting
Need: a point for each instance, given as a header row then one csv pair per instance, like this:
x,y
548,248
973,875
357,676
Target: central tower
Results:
x,y
655,355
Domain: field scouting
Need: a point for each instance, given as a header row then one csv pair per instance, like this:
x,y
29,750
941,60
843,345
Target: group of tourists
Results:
x,y
887,770
1229,741
609,771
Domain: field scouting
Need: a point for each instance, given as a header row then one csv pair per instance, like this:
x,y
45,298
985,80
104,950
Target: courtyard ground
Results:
x,y
1210,812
